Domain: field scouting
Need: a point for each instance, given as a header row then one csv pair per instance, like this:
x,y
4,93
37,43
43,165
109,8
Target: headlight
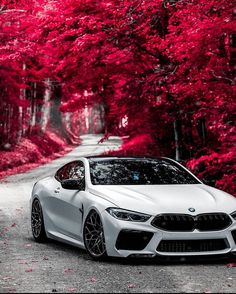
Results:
x,y
128,215
233,215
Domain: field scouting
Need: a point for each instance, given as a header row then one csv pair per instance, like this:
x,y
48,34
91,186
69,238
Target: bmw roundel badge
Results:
x,y
191,209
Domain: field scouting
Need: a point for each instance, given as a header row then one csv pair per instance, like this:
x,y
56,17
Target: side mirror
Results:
x,y
73,184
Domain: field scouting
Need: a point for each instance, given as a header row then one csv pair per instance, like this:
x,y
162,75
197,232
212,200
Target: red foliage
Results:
x,y
141,145
217,169
152,65
31,153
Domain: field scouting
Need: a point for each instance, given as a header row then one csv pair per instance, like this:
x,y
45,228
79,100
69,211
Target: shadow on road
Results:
x,y
174,260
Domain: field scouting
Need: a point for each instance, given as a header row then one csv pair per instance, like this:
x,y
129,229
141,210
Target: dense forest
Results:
x,y
161,73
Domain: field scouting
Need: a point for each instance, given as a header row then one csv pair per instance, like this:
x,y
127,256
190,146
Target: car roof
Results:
x,y
111,157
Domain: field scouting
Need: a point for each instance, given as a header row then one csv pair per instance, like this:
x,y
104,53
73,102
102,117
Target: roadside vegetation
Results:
x,y
161,73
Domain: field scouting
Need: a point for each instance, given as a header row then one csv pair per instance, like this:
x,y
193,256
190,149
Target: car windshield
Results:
x,y
138,172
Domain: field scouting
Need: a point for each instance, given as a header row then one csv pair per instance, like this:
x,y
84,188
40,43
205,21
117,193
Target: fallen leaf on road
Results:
x,y
5,241
28,270
131,286
231,264
5,229
69,270
94,280
11,290
28,245
22,262
72,289
7,278
45,258
13,225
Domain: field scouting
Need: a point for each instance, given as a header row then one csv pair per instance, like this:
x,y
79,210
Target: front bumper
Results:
x,y
164,243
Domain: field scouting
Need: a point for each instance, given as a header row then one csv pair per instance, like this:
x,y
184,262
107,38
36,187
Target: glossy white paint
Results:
x,y
65,211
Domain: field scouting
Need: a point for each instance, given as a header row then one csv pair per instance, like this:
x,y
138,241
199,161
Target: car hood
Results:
x,y
154,199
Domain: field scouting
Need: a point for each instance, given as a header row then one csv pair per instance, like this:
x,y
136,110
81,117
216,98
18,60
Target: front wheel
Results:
x,y
37,223
94,239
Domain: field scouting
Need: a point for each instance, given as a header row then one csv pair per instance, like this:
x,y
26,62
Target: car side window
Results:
x,y
72,170
63,172
77,171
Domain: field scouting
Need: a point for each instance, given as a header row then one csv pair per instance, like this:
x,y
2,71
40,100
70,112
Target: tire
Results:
x,y
37,223
93,234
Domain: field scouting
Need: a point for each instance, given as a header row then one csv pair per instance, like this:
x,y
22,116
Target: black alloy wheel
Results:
x,y
37,223
94,239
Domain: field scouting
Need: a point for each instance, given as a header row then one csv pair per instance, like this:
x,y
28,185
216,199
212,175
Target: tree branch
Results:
x,y
158,55
220,77
173,2
174,69
10,10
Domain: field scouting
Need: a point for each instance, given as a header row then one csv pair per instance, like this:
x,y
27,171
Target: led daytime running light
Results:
x,y
127,215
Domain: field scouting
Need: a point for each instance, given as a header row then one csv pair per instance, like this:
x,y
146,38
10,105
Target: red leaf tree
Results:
x,y
162,71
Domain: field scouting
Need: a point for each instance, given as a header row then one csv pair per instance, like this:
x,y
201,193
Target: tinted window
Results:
x,y
138,172
77,171
72,170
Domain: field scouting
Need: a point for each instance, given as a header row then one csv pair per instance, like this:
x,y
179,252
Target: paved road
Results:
x,y
26,266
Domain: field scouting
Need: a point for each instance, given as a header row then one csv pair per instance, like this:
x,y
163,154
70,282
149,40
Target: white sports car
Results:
x,y
133,207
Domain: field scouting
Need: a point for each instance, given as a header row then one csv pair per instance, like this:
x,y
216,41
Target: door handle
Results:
x,y
57,190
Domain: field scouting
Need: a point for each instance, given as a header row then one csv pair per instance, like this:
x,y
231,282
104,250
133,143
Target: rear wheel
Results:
x,y
37,223
94,239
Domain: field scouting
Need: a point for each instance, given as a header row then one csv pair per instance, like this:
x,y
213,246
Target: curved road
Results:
x,y
26,266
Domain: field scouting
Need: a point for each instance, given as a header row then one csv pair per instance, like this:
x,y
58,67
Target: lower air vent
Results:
x,y
192,245
133,240
234,235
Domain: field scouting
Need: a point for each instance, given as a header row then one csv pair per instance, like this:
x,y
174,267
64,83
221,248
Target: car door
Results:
x,y
67,206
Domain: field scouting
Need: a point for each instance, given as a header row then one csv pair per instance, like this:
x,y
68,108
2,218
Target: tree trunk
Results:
x,y
202,130
33,108
55,113
177,132
46,105
20,131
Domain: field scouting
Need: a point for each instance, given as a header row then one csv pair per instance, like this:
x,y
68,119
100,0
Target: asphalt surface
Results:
x,y
26,266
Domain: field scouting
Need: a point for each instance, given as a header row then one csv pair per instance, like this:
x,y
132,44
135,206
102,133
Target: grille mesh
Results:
x,y
187,223
192,245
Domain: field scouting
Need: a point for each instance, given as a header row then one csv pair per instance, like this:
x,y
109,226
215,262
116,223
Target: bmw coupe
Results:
x,y
133,207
